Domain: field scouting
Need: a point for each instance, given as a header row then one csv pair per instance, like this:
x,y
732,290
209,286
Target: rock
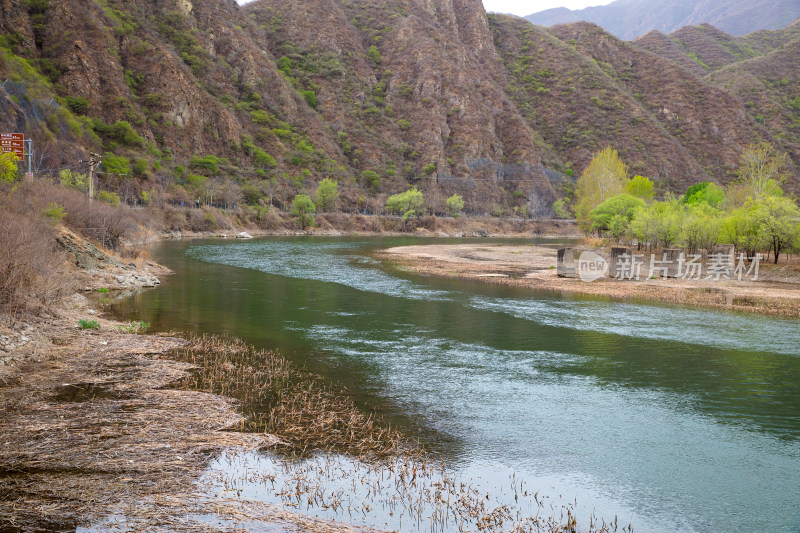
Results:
x,y
244,235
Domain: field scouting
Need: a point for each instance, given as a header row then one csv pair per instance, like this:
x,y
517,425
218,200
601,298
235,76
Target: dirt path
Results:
x,y
778,292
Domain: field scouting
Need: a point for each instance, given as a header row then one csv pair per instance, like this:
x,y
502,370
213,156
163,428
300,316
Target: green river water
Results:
x,y
670,418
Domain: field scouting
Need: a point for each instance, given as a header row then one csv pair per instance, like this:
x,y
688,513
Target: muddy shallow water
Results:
x,y
672,419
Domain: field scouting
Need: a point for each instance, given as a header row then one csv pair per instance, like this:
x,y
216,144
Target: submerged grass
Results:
x,y
299,407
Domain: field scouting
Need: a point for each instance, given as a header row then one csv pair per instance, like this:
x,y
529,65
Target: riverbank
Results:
x,y
103,427
776,293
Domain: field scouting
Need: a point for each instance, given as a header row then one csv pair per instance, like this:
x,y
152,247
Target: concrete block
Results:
x,y
565,263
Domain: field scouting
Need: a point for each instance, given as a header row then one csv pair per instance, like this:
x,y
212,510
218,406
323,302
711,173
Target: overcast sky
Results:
x,y
527,7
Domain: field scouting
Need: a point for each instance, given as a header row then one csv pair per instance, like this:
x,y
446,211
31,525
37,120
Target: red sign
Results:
x,y
13,143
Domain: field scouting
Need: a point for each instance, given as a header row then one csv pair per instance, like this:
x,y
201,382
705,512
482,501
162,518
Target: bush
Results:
x,y
88,324
108,197
310,98
371,179
78,105
116,164
31,271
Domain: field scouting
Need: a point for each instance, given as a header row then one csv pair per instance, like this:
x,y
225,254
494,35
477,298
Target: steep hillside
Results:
x,y
378,96
770,87
412,90
628,19
257,103
583,89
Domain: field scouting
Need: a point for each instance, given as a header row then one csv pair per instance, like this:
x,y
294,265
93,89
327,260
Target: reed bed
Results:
x,y
275,397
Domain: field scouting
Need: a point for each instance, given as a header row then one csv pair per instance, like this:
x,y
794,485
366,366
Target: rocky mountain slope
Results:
x,y
257,103
629,19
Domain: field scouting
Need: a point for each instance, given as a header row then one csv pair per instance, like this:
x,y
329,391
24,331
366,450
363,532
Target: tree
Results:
x,y
704,192
454,205
603,178
641,187
327,194
408,204
779,218
303,208
763,169
658,224
701,227
742,228
371,178
8,167
561,209
615,214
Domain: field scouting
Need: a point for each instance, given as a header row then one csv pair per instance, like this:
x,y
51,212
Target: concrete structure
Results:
x,y
727,253
613,265
671,256
565,263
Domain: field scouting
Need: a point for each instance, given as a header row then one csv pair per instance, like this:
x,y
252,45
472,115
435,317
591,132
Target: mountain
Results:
x,y
628,19
262,101
760,69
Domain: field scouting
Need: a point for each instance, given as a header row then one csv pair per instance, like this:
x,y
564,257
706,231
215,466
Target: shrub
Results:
x,y
374,55
310,98
54,212
88,324
108,197
427,170
78,105
31,275
371,179
116,164
74,180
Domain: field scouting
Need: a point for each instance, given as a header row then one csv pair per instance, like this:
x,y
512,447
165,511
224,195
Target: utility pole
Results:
x,y
94,160
29,174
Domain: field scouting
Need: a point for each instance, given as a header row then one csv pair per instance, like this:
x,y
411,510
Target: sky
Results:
x,y
527,7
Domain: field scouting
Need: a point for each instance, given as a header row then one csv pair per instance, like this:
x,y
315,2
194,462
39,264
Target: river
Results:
x,y
670,418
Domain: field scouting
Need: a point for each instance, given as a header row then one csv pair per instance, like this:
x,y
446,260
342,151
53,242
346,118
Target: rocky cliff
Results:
x,y
186,97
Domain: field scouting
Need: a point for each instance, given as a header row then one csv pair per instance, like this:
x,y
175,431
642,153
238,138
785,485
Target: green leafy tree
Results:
x,y
561,209
74,180
762,170
779,218
701,227
742,228
116,164
371,179
603,178
8,167
407,204
454,205
704,192
641,187
327,194
303,208
615,214
658,224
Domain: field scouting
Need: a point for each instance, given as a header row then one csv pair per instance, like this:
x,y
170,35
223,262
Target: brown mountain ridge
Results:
x,y
380,96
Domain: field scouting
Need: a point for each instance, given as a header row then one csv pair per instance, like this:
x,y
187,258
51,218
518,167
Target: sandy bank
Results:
x,y
777,292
